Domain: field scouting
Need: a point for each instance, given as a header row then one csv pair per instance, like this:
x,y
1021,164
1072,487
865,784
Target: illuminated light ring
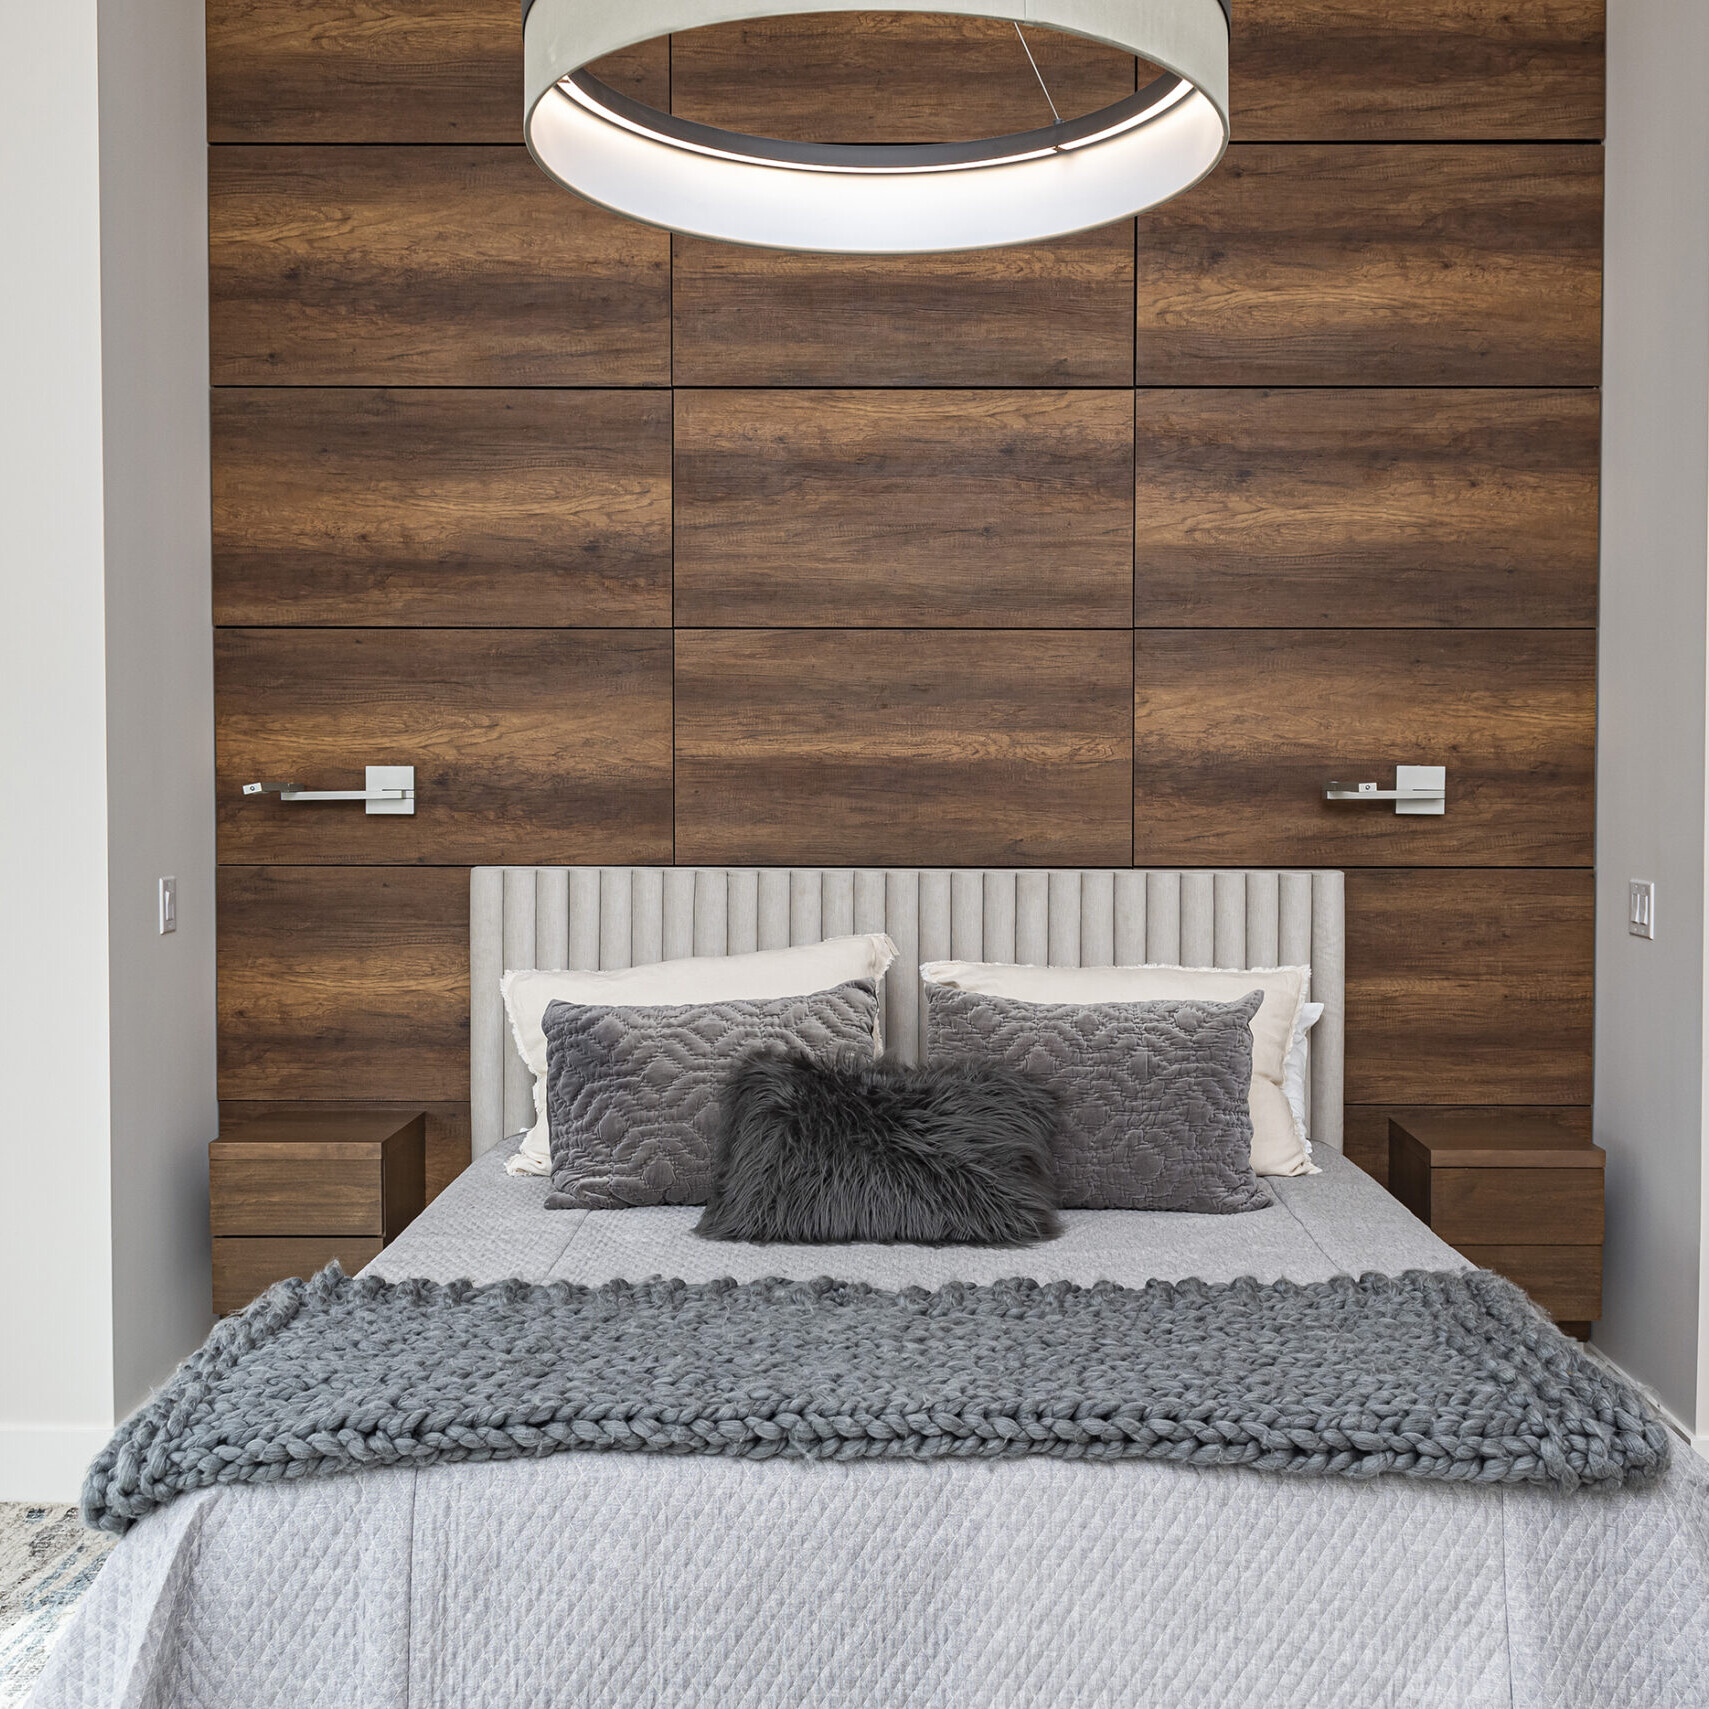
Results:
x,y
877,199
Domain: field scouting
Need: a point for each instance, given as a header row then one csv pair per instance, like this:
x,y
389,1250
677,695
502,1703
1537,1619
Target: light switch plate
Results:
x,y
1641,908
168,905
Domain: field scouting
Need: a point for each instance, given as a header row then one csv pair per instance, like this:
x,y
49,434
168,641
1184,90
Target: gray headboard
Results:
x,y
626,916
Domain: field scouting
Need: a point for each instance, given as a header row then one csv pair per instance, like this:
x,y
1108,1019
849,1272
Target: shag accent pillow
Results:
x,y
811,1152
632,1093
1154,1095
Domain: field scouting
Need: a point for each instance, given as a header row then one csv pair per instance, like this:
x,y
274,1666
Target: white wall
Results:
x,y
1651,799
106,1028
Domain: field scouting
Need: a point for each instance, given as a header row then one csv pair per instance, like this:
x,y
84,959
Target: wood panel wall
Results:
x,y
1103,550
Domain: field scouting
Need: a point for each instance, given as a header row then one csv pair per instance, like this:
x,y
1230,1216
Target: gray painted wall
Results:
x,y
106,770
1650,1087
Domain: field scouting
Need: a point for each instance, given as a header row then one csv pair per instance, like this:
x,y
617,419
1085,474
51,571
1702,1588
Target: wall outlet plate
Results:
x,y
1641,908
1421,777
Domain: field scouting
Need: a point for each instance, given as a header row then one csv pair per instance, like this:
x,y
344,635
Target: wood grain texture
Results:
x,y
1361,508
904,509
1510,1140
427,266
927,747
1237,731
1469,988
246,1267
887,77
1416,70
526,509
447,1154
1365,1127
1517,1207
380,71
1566,1281
344,982
550,746
1377,265
1049,314
297,1188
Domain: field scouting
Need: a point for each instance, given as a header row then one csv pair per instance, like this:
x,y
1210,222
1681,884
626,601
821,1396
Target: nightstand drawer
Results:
x,y
1516,1207
1566,1281
275,1189
245,1268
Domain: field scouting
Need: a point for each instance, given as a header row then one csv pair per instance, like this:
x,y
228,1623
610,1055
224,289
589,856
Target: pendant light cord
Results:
x,y
1038,74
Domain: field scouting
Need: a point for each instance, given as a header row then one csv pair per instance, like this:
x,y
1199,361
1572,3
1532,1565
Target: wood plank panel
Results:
x,y
1522,1206
1049,314
904,509
447,1127
1237,731
426,266
1375,265
344,982
247,1266
1566,1281
887,76
549,746
320,1189
1469,987
455,507
1356,508
1365,1127
1416,70
875,747
378,71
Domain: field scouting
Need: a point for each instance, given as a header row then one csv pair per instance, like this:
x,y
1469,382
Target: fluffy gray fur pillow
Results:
x,y
858,1150
1155,1114
632,1092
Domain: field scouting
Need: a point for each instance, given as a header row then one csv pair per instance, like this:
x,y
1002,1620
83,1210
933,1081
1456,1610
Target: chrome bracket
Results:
x,y
1418,789
391,789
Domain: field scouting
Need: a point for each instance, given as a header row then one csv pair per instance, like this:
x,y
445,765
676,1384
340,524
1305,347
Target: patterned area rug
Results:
x,y
47,1561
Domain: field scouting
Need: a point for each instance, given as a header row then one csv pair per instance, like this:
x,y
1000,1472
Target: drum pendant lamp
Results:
x,y
860,199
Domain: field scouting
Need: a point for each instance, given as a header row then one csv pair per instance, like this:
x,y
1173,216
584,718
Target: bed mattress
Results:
x,y
615,1582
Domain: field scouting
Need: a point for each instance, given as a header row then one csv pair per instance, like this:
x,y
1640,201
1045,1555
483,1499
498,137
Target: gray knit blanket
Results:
x,y
1451,1375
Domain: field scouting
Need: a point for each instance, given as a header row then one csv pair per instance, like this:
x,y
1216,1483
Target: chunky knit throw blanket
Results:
x,y
1451,1376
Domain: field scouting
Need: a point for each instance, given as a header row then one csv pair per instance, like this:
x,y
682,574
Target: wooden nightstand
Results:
x,y
289,1193
1519,1195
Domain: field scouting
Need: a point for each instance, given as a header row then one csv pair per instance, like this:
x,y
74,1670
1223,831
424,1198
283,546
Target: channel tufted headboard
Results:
x,y
625,916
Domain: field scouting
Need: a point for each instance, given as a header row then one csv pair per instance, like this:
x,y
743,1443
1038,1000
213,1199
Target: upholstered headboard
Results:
x,y
625,916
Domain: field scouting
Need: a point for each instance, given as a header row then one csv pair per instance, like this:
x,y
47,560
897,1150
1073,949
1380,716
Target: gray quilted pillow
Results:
x,y
632,1093
1154,1095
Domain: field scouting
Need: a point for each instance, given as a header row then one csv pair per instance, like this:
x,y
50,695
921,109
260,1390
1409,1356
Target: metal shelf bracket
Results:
x,y
391,789
1418,789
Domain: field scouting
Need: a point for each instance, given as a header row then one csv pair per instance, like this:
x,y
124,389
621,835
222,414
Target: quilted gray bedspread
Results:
x,y
616,1581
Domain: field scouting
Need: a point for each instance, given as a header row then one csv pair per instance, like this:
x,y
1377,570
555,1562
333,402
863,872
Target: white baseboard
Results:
x,y
1697,1441
46,1463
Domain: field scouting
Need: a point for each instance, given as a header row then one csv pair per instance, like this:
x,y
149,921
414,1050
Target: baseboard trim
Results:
x,y
46,1463
1697,1441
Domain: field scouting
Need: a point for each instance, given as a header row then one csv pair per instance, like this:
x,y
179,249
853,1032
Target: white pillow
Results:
x,y
1278,1142
795,972
1293,1072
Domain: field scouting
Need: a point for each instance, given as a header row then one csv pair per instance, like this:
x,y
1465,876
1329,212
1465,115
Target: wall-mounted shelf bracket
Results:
x,y
1417,789
391,789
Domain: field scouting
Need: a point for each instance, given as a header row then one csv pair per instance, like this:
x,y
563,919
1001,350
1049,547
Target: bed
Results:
x,y
627,1580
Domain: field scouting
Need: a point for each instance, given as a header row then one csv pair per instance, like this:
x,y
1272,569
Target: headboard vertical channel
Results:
x,y
620,916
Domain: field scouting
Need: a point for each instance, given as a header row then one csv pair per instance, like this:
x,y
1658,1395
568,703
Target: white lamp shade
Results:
x,y
720,185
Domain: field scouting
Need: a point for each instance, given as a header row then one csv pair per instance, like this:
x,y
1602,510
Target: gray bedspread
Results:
x,y
616,1581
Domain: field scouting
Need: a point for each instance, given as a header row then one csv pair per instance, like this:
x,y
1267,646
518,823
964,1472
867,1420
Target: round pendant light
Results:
x,y
875,199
